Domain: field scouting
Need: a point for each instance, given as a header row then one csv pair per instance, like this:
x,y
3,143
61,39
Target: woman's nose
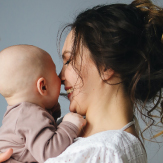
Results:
x,y
61,76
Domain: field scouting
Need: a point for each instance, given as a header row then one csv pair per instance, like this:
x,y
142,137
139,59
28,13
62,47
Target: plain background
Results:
x,y
36,22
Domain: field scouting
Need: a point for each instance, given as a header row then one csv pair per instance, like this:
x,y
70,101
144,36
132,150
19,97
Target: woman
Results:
x,y
113,63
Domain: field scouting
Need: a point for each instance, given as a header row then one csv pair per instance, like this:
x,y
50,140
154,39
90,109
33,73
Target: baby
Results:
x,y
31,87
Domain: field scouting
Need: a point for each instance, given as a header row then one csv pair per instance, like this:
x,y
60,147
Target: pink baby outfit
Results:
x,y
33,134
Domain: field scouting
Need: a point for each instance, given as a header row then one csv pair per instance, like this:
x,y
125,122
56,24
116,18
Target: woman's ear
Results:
x,y
42,86
107,74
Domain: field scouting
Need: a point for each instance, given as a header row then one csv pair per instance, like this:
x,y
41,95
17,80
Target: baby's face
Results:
x,y
54,85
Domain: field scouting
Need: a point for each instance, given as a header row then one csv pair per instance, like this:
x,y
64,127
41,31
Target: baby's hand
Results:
x,y
76,119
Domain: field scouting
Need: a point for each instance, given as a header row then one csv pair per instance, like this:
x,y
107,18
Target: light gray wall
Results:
x,y
36,22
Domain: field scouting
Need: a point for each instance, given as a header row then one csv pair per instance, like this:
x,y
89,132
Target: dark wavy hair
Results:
x,y
129,40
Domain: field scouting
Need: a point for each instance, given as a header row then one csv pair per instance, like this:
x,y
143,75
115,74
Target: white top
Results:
x,y
112,146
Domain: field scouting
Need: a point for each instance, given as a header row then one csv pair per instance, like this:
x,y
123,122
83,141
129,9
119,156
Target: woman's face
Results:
x,y
80,84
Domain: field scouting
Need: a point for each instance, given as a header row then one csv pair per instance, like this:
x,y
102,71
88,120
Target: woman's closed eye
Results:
x,y
68,62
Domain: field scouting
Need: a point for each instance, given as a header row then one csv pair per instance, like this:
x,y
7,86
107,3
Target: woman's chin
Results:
x,y
75,108
72,109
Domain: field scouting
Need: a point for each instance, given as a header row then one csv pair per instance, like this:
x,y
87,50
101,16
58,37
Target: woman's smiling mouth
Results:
x,y
69,90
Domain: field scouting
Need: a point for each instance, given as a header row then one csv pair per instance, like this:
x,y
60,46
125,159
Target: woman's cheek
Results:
x,y
71,76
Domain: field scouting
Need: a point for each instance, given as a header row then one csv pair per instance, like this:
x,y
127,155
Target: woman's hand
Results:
x,y
6,155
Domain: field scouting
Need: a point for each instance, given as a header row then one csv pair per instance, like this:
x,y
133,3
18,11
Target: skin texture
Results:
x,y
106,106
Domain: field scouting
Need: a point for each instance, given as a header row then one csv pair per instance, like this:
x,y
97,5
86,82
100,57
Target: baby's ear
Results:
x,y
107,74
42,86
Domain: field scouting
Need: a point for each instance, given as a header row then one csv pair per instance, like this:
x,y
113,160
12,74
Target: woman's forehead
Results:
x,y
68,43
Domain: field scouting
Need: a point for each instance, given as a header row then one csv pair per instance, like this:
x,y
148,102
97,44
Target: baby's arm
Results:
x,y
43,138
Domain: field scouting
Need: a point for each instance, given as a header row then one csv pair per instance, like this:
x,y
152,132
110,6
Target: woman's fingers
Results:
x,y
6,155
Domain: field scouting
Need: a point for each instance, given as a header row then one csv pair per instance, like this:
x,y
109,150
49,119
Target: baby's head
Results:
x,y
28,73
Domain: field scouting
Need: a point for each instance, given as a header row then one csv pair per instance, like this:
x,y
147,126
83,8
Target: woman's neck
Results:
x,y
109,113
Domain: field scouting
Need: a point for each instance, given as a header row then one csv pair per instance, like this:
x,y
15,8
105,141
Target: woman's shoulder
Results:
x,y
114,146
115,142
114,138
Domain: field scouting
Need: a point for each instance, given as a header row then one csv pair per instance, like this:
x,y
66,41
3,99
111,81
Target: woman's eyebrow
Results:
x,y
64,53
